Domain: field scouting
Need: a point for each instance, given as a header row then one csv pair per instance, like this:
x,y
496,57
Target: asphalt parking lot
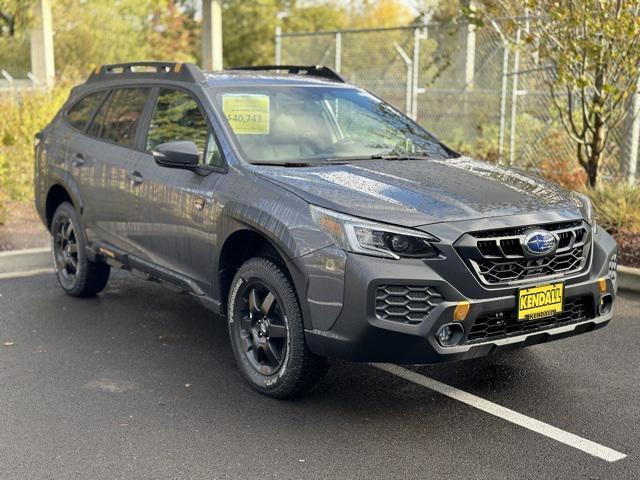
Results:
x,y
141,383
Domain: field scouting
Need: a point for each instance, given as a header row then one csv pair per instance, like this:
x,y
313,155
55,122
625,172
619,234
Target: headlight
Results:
x,y
362,236
586,209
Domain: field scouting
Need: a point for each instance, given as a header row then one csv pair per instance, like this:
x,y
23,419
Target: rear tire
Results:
x,y
77,275
267,333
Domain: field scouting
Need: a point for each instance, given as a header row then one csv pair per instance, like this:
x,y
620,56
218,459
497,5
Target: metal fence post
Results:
x,y
416,68
338,63
633,137
278,40
409,90
211,35
503,101
514,99
469,64
42,60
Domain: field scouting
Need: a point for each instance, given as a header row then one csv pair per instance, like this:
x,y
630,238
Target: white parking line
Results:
x,y
507,414
27,273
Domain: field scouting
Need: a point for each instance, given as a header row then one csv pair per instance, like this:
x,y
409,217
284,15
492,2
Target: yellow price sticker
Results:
x,y
248,114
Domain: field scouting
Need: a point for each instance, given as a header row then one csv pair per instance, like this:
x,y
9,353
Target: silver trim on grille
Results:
x,y
497,257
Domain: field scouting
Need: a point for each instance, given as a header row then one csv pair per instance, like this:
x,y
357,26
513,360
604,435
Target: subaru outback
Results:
x,y
318,219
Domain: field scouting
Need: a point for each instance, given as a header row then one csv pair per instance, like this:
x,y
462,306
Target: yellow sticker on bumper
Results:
x,y
540,302
248,114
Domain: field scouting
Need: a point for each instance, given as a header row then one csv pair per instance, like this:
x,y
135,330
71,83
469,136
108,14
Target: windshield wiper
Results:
x,y
342,160
292,164
379,156
404,156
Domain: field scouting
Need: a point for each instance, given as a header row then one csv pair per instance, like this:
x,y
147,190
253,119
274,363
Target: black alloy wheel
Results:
x,y
78,276
65,251
266,329
263,330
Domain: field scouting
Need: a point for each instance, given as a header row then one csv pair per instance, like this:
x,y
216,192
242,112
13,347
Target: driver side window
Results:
x,y
177,117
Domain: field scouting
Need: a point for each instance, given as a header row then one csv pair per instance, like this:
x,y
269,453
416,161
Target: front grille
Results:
x,y
498,258
406,303
496,325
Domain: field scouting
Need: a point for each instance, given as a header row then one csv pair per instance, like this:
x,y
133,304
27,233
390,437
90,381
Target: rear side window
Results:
x,y
80,114
118,119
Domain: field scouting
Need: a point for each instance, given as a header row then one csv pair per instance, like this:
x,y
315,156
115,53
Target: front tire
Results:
x,y
77,275
267,333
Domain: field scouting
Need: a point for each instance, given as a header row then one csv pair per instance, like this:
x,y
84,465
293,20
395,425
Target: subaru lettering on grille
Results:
x,y
539,242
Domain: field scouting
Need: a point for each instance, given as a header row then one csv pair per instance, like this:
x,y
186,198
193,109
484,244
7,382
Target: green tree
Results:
x,y
249,27
97,32
590,53
14,15
94,32
380,13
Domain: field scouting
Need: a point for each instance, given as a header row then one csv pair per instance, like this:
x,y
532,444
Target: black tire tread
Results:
x,y
93,276
305,369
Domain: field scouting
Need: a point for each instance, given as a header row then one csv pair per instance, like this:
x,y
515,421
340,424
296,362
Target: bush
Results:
x,y
22,116
3,202
618,210
484,146
617,207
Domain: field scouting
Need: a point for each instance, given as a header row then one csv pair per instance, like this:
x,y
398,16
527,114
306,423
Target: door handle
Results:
x,y
135,177
78,160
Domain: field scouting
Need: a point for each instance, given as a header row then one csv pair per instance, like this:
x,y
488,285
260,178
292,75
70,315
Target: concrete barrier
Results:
x,y
21,261
629,278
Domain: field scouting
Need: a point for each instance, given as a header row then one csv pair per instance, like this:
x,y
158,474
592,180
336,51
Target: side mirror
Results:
x,y
180,154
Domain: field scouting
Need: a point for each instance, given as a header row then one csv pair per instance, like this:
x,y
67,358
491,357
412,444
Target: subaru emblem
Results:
x,y
539,242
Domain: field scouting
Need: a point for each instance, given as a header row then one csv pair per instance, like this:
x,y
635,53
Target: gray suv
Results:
x,y
321,221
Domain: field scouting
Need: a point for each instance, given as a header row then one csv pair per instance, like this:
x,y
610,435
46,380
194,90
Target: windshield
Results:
x,y
293,124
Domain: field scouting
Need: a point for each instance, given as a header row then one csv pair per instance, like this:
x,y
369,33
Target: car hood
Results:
x,y
420,192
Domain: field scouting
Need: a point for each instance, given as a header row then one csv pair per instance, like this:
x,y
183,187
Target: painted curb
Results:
x,y
17,261
629,278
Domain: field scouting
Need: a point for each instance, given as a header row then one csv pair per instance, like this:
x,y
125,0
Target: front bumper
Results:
x,y
359,334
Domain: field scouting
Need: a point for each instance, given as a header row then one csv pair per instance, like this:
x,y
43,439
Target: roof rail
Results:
x,y
184,72
311,70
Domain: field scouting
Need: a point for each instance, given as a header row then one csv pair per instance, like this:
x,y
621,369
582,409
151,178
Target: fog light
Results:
x,y
604,304
444,334
450,334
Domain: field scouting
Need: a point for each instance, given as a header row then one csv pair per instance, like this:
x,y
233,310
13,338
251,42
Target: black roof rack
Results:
x,y
311,70
184,72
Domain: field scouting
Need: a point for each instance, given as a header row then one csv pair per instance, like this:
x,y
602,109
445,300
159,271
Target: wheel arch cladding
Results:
x,y
56,195
244,243
285,222
238,247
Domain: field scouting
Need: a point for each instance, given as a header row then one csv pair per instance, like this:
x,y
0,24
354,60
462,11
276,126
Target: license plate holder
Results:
x,y
540,302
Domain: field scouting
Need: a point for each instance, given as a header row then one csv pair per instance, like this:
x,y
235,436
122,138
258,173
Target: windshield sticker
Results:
x,y
248,114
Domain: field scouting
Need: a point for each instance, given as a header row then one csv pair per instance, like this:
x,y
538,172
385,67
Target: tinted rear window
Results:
x,y
119,117
81,112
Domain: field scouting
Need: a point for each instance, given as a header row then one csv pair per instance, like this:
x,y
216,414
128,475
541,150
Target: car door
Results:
x,y
177,206
64,140
100,160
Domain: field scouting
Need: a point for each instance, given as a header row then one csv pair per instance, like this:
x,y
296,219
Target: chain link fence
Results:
x,y
15,66
469,88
